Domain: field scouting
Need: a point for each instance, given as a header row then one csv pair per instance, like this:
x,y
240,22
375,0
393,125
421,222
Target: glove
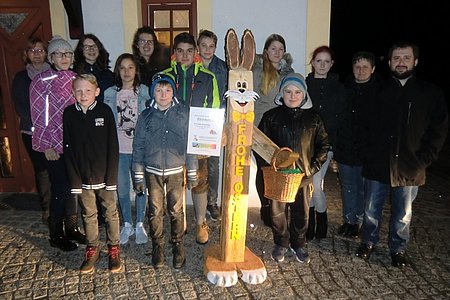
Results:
x,y
139,186
192,179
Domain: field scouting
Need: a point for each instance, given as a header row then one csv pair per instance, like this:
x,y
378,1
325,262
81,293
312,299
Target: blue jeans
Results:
x,y
402,197
318,199
89,212
124,189
352,186
169,189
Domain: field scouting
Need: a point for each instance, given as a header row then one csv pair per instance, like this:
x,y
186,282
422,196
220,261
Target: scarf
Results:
x,y
32,71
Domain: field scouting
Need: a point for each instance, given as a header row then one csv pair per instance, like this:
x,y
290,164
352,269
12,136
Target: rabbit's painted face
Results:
x,y
242,87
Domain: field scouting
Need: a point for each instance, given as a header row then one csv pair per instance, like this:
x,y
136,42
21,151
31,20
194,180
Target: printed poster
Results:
x,y
205,131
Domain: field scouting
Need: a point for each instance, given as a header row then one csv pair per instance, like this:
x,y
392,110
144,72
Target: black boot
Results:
x,y
311,224
158,254
179,257
322,225
57,238
72,231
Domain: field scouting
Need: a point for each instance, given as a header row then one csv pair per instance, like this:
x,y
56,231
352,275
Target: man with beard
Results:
x,y
404,135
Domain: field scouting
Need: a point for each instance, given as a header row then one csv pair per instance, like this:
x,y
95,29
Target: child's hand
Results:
x,y
138,185
51,154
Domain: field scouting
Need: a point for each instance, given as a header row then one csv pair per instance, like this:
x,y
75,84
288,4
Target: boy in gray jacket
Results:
x,y
159,157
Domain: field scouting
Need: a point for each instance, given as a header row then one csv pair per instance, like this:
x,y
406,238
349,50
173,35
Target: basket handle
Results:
x,y
275,155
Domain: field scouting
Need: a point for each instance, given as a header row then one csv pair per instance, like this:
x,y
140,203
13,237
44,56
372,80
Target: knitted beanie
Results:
x,y
294,79
162,77
58,43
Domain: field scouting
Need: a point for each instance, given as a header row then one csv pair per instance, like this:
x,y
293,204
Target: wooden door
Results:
x,y
19,20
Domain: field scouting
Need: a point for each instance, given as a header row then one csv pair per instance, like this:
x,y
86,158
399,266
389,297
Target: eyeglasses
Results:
x,y
143,42
36,51
61,54
90,47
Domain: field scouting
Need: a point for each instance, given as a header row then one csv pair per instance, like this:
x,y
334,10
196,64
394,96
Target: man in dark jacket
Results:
x,y
404,136
361,90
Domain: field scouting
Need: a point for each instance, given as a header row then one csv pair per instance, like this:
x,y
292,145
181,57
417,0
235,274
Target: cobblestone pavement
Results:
x,y
31,269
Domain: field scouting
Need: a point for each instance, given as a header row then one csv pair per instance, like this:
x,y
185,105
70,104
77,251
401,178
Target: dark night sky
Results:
x,y
375,25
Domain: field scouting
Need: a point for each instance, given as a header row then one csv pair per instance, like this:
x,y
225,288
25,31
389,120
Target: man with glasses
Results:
x,y
197,87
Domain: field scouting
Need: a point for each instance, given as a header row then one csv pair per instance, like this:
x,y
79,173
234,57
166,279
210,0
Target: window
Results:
x,y
169,18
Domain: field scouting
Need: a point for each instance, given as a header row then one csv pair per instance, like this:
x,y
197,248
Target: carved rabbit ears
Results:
x,y
248,51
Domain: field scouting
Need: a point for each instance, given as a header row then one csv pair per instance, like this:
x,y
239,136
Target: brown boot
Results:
x,y
91,256
115,265
202,233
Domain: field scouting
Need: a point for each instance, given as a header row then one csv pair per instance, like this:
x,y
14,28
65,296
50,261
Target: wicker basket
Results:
x,y
281,186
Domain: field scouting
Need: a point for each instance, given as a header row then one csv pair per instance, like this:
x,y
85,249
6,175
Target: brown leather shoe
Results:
x,y
202,234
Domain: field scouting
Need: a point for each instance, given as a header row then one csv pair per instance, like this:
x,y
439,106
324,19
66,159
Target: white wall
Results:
x,y
285,17
104,18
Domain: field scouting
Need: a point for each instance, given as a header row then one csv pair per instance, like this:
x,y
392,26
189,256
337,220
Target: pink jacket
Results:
x,y
50,94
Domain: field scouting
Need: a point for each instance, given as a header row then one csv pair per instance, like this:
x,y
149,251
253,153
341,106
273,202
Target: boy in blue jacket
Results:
x,y
162,165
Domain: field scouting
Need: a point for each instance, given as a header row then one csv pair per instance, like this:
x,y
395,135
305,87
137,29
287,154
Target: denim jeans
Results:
x,y
174,186
291,232
89,212
124,189
352,186
318,197
402,197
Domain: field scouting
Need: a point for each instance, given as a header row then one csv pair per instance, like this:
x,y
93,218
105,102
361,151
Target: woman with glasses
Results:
x,y
50,94
34,57
150,55
92,57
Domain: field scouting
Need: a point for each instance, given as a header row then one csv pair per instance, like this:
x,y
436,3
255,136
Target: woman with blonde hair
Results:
x,y
270,67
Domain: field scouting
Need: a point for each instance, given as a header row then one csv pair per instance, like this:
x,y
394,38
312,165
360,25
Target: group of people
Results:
x,y
382,133
90,134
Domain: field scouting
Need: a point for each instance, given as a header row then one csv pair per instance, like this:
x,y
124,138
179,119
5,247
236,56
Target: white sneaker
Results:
x,y
141,234
126,232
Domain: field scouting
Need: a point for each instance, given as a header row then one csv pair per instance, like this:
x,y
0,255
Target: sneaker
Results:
x,y
158,255
115,265
91,256
214,212
179,257
202,234
301,254
141,234
125,233
278,253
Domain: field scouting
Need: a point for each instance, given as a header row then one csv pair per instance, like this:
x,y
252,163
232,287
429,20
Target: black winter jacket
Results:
x,y
302,130
350,136
328,98
405,133
91,148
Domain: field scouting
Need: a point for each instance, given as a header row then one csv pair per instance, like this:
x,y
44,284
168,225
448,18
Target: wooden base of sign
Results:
x,y
223,274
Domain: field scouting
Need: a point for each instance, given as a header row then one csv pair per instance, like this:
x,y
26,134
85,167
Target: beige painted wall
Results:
x,y
58,17
132,20
318,27
204,16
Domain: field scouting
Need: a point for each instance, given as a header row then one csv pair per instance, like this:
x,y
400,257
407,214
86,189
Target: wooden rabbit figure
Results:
x,y
231,257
